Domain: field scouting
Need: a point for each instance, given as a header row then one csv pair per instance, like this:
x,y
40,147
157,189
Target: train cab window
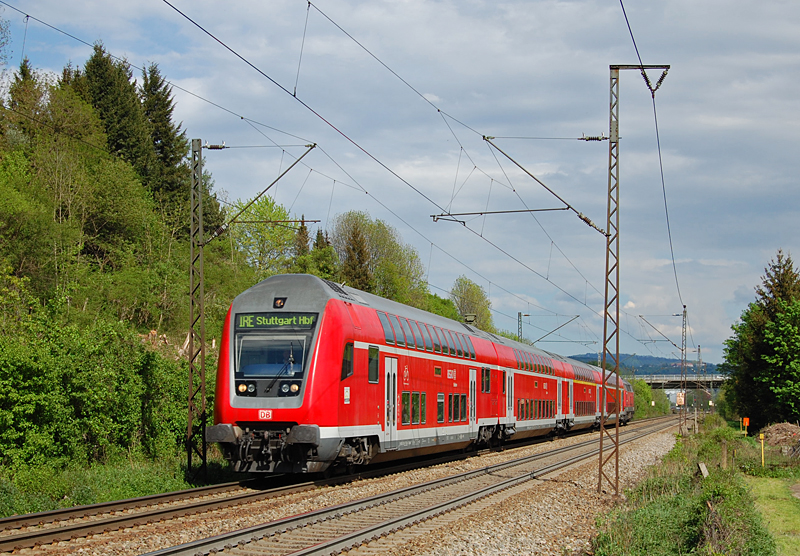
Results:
x,y
405,402
440,408
398,331
427,335
463,407
407,330
415,408
437,348
417,334
347,360
423,413
388,333
470,346
373,373
437,371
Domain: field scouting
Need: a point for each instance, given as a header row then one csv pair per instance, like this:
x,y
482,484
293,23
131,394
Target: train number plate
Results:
x,y
265,414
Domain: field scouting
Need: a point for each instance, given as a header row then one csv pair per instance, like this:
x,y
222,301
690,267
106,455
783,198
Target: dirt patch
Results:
x,y
782,434
796,490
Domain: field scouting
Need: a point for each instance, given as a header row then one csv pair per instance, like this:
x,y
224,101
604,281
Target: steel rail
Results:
x,y
243,537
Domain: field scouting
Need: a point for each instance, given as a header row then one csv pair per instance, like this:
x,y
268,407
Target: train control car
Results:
x,y
314,375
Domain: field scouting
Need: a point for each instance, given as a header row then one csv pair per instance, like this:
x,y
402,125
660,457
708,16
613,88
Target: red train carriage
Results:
x,y
313,374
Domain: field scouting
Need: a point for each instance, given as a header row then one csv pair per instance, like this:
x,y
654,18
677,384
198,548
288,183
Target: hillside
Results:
x,y
648,364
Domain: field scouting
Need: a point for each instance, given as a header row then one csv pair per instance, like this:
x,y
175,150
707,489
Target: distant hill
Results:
x,y
648,365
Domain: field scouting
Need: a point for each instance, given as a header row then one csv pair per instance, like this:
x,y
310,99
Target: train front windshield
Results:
x,y
270,345
262,356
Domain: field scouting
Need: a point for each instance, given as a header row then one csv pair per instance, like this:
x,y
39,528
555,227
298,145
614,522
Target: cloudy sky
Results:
x,y
399,94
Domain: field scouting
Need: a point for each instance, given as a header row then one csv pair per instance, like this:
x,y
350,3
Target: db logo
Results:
x,y
265,414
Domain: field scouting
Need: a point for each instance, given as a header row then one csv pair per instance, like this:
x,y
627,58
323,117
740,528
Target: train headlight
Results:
x,y
285,388
242,388
251,388
295,387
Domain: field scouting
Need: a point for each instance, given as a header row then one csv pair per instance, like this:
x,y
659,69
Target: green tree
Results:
x,y
267,245
171,175
301,256
782,374
470,298
750,357
109,87
355,269
394,267
324,261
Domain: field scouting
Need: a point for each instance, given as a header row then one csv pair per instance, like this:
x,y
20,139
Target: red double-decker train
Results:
x,y
314,375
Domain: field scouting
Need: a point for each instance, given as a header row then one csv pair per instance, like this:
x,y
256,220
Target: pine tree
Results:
x,y
171,174
323,257
355,270
757,365
302,263
110,90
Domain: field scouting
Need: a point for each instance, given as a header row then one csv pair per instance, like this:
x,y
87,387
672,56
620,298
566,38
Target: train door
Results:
x,y
390,429
510,395
571,400
559,398
473,381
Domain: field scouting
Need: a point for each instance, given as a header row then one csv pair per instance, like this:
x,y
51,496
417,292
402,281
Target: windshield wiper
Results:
x,y
288,365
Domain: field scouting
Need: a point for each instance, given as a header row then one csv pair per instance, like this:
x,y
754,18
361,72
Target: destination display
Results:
x,y
275,321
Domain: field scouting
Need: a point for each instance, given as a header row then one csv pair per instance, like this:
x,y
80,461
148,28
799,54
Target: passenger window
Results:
x,y
470,346
450,407
437,348
485,380
445,345
450,343
456,410
415,408
398,331
418,334
406,410
374,358
504,382
409,333
459,349
347,361
423,416
463,407
440,408
387,328
427,335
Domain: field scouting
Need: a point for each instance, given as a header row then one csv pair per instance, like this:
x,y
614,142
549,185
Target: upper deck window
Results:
x,y
459,349
400,337
387,328
449,339
468,341
407,330
417,334
437,347
426,335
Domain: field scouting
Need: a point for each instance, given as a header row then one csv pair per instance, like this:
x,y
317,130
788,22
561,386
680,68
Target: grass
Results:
x,y
38,489
676,511
781,511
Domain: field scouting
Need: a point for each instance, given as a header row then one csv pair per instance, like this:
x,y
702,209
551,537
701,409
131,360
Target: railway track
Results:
x,y
45,528
351,525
